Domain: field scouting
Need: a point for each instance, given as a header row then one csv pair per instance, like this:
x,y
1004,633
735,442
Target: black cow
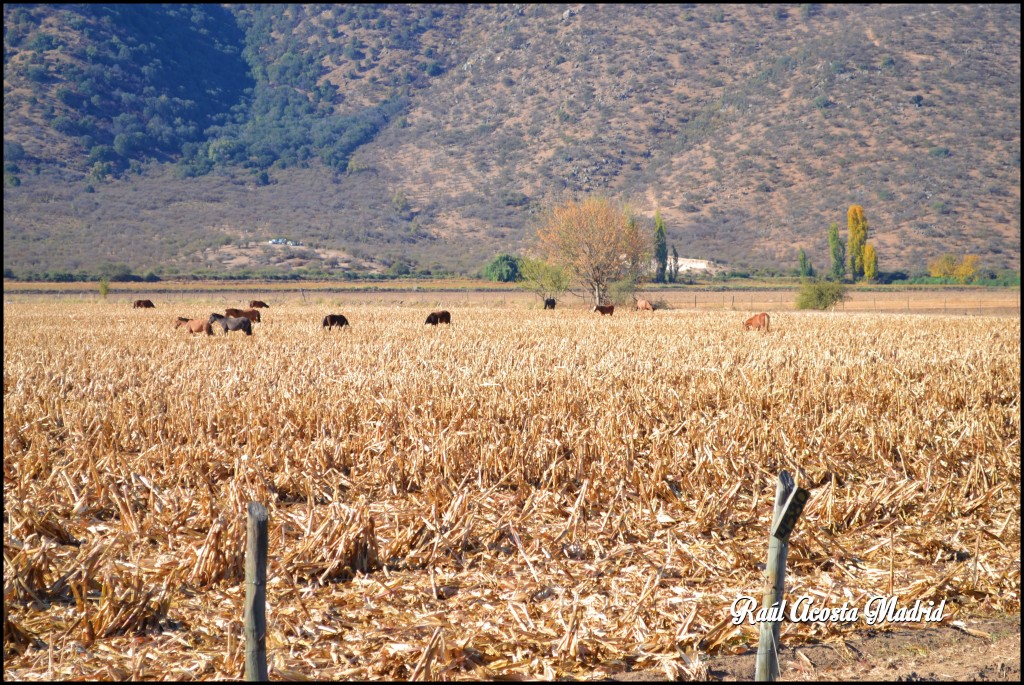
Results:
x,y
549,303
439,317
332,320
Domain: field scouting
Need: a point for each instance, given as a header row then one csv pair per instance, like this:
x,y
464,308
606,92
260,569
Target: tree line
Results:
x,y
596,248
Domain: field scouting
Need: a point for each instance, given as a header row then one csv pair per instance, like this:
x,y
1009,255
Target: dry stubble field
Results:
x,y
525,493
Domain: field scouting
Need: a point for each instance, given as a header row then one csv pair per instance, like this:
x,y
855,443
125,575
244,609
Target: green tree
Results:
x,y
805,266
544,279
858,238
104,287
837,248
660,248
870,263
504,269
673,269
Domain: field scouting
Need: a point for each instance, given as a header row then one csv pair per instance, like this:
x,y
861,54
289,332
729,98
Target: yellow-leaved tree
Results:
x,y
870,263
950,266
943,267
967,268
599,241
858,238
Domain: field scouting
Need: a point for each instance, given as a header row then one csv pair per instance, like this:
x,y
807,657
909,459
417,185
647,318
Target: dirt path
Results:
x,y
940,653
902,655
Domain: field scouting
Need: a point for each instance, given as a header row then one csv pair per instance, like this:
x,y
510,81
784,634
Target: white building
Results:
x,y
699,265
705,265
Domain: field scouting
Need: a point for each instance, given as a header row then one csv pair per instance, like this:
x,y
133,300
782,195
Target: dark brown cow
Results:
x,y
258,304
143,304
439,317
758,322
644,306
608,309
194,325
250,314
549,303
332,320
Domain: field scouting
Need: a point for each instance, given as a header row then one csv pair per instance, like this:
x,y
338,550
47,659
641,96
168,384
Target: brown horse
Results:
x,y
608,309
251,314
644,306
439,317
143,304
758,322
258,304
194,325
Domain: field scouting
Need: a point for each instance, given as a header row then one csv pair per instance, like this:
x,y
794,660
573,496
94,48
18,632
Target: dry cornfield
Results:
x,y
532,493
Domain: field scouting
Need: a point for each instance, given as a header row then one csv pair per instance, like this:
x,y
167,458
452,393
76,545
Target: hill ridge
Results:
x,y
435,134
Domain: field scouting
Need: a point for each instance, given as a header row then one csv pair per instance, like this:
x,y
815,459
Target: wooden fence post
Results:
x,y
789,504
256,593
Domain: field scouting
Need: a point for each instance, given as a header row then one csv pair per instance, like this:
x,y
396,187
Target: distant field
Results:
x,y
469,292
550,494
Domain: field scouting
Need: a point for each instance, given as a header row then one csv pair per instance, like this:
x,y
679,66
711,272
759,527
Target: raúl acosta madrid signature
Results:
x,y
877,609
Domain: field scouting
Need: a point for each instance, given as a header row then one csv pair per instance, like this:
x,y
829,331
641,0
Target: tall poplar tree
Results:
x,y
858,226
837,248
660,248
870,263
805,267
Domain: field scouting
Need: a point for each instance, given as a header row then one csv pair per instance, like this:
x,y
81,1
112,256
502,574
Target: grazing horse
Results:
x,y
332,320
758,322
194,325
644,305
549,303
258,304
250,314
439,317
143,304
608,309
231,323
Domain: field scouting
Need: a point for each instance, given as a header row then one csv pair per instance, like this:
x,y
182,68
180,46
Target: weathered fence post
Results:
x,y
789,503
256,593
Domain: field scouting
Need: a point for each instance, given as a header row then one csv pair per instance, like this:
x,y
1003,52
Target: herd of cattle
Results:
x,y
243,319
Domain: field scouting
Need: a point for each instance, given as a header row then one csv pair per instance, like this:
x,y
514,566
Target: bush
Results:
x,y
504,269
820,294
622,293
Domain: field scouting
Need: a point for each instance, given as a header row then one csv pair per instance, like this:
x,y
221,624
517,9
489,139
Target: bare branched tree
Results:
x,y
597,239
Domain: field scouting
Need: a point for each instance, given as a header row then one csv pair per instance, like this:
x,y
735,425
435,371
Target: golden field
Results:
x,y
523,493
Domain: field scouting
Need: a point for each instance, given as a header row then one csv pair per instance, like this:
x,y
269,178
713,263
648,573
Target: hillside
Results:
x,y
180,139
